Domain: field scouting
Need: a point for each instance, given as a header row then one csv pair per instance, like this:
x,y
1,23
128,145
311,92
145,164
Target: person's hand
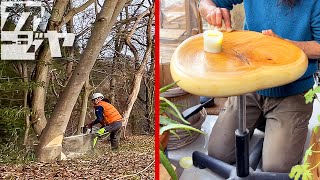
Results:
x,y
88,126
269,32
215,16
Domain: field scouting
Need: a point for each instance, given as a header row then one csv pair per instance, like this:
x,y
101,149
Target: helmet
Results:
x,y
96,95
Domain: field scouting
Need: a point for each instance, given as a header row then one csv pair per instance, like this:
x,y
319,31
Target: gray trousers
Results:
x,y
286,126
114,129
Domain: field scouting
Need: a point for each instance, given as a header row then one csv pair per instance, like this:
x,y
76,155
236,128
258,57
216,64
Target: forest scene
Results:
x,y
46,103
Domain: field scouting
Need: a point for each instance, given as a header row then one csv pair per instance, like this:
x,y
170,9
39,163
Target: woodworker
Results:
x,y
282,109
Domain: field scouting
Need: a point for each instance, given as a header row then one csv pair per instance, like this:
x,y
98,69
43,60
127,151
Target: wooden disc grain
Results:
x,y
249,61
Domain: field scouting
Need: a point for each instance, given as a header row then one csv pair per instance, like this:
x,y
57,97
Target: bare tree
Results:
x,y
38,118
141,70
25,102
87,89
52,135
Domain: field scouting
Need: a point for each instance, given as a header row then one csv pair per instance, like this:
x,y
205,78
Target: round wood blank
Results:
x,y
249,61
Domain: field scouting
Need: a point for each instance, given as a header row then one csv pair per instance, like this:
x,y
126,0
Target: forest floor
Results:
x,y
133,160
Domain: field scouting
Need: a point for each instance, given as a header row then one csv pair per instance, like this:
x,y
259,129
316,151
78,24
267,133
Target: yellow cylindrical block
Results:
x,y
212,40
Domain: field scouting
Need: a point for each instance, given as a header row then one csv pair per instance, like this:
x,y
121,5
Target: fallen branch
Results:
x,y
135,174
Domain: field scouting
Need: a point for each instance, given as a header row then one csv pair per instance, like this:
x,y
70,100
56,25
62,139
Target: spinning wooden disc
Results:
x,y
249,61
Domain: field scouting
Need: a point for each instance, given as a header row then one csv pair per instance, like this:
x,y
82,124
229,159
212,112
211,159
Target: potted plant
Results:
x,y
311,160
168,125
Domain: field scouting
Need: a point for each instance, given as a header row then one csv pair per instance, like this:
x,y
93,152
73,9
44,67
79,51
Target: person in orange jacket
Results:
x,y
109,118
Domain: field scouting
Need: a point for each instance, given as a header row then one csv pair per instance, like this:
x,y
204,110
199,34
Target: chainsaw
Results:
x,y
97,133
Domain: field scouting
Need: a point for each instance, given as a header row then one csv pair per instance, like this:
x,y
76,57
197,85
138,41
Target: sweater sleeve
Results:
x,y
227,3
315,21
99,114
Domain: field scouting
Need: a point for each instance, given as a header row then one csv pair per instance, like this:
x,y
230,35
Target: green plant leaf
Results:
x,y
307,175
166,121
180,105
161,148
316,89
315,129
163,104
179,126
300,170
167,87
175,109
307,153
166,163
174,113
174,133
163,109
295,172
309,96
189,132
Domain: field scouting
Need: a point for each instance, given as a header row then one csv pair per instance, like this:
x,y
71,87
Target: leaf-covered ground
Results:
x,y
134,160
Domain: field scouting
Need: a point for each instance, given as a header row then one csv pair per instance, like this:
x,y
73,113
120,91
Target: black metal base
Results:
x,y
242,153
228,171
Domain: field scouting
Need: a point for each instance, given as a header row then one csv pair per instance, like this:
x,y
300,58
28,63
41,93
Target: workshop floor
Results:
x,y
200,144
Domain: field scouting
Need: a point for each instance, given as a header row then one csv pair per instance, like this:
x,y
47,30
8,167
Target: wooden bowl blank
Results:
x,y
249,61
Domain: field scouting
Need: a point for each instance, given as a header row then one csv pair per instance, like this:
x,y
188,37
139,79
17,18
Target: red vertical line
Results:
x,y
157,87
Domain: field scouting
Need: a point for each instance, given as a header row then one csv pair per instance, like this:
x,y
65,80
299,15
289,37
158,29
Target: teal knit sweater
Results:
x,y
298,23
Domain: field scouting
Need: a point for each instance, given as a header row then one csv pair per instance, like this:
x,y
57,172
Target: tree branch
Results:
x,y
73,12
128,39
135,174
84,31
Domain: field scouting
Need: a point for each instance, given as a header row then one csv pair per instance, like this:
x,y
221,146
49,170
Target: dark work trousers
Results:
x,y
114,130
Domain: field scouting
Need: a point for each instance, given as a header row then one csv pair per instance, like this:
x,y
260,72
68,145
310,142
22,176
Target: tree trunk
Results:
x,y
25,103
138,77
149,83
119,43
52,136
38,118
69,64
86,93
147,103
118,47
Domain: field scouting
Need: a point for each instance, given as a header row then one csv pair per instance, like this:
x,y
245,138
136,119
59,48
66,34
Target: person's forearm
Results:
x,y
310,48
97,121
205,6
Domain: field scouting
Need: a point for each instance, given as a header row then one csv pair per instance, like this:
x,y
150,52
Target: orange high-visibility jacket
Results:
x,y
110,113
